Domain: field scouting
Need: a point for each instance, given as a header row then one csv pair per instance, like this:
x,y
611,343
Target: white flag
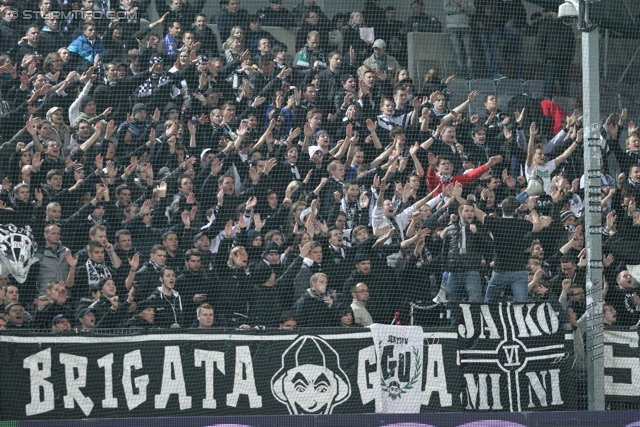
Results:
x,y
400,363
17,250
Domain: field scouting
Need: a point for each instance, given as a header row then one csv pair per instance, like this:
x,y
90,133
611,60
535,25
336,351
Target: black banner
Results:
x,y
499,358
621,365
516,358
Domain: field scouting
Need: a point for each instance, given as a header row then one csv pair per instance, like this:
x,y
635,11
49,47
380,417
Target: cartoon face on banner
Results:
x,y
17,249
310,380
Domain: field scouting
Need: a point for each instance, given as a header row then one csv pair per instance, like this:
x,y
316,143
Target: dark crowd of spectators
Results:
x,y
169,184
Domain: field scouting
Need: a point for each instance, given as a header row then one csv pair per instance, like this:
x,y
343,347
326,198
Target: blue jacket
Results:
x,y
86,50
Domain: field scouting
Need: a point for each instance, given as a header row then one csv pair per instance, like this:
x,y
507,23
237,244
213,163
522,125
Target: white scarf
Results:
x,y
463,239
96,271
444,178
350,212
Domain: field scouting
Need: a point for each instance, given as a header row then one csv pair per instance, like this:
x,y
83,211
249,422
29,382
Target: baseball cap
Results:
x,y
379,44
314,149
57,319
85,311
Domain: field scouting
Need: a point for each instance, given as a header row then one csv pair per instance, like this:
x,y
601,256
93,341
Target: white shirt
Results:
x,y
543,172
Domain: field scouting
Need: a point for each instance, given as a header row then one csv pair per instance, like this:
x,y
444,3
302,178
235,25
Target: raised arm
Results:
x,y
533,131
383,187
345,145
564,156
460,108
383,156
537,224
89,142
416,163
263,138
371,126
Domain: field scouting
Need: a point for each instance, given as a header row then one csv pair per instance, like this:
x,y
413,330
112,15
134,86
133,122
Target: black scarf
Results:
x,y
154,82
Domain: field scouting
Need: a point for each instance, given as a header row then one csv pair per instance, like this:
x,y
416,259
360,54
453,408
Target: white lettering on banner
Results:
x,y
511,355
467,330
527,326
211,360
39,366
540,388
134,360
71,364
107,364
172,380
436,379
486,319
632,364
244,382
367,380
477,392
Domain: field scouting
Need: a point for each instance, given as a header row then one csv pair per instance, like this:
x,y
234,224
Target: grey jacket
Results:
x,y
53,267
391,62
457,15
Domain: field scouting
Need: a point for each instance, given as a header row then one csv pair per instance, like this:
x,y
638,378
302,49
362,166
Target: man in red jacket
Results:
x,y
442,172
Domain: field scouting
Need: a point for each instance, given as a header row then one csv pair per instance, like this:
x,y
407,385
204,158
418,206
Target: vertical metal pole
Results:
x,y
411,311
606,55
593,233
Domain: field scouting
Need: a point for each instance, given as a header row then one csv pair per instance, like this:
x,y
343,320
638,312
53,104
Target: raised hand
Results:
x,y
494,161
271,163
434,97
68,257
191,198
519,117
229,229
293,134
608,260
186,219
258,222
364,201
251,203
37,161
146,208
304,250
134,261
308,132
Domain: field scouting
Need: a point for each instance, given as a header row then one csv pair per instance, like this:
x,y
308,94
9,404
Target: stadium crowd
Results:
x,y
171,184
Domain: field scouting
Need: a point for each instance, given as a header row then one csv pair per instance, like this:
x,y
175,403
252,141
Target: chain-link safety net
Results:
x,y
271,208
